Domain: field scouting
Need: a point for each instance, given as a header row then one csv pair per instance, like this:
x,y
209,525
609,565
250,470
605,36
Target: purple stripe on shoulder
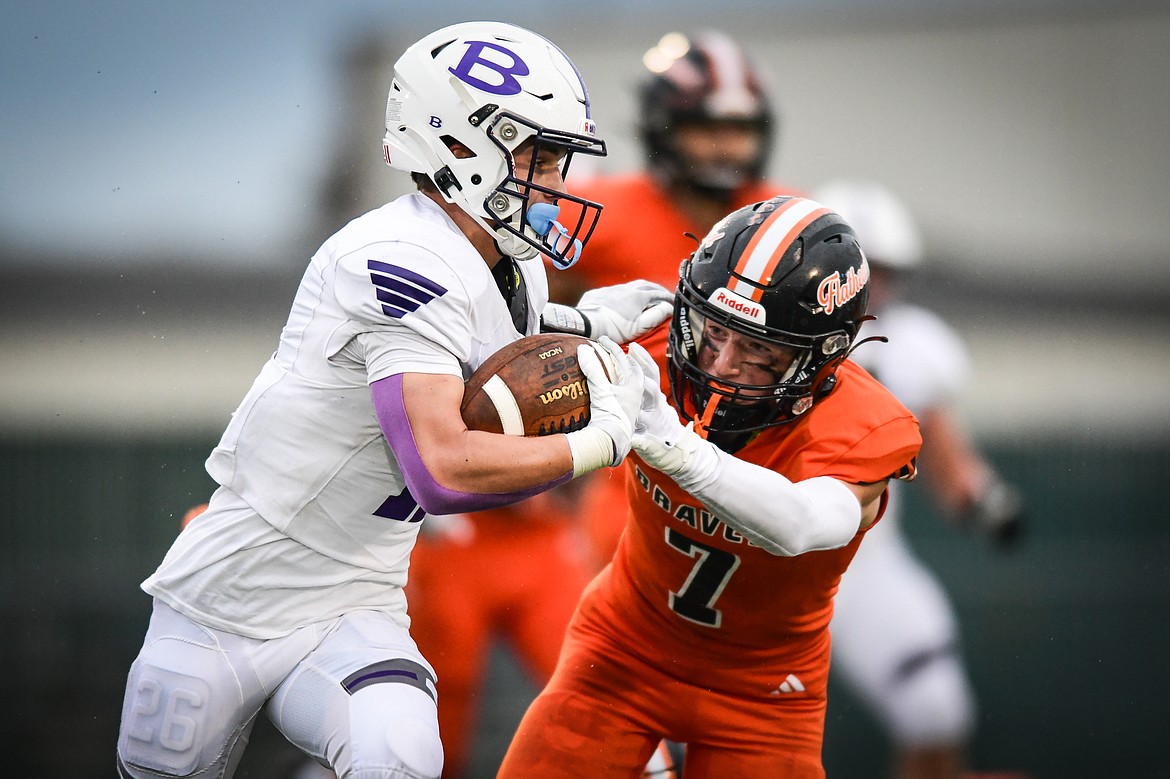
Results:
x,y
407,274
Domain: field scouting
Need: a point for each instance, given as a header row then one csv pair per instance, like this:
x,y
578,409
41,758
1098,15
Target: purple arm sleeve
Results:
x,y
432,496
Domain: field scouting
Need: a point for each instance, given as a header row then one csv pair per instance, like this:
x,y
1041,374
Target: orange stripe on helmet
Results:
x,y
770,243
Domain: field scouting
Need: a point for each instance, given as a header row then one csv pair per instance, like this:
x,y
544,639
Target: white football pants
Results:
x,y
896,643
353,693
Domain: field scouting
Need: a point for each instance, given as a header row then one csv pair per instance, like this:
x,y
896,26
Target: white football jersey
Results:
x,y
924,364
890,610
313,518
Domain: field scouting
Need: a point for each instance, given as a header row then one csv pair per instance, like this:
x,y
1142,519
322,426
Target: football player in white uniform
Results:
x,y
895,639
286,594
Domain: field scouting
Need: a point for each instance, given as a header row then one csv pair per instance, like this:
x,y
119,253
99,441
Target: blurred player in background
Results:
x,y
895,639
286,594
190,515
707,128
512,574
710,626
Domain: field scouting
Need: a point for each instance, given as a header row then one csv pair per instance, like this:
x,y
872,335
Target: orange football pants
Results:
x,y
605,710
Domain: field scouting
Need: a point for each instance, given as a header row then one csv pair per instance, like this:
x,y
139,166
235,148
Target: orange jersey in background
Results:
x,y
514,575
641,233
192,512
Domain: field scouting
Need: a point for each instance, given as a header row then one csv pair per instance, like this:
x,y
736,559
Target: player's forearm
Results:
x,y
495,463
783,517
622,312
492,474
957,474
450,469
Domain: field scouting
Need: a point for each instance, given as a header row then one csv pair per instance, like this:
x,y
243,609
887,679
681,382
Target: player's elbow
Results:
x,y
435,498
798,542
451,504
827,516
441,488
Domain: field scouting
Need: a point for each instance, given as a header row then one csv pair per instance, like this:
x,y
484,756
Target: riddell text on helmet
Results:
x,y
728,300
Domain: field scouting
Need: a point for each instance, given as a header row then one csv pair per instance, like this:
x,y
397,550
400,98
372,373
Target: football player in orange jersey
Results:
x,y
710,626
706,126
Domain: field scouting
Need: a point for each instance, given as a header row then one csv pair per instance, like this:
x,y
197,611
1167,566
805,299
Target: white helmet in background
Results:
x,y
888,234
491,87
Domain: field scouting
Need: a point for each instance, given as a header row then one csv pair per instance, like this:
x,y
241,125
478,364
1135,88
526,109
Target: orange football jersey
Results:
x,y
722,610
641,233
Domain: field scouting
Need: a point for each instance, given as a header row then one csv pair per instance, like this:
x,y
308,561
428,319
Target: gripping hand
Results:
x,y
625,311
613,407
660,438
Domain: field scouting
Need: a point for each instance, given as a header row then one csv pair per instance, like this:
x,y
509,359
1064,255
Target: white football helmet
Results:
x,y
887,232
491,87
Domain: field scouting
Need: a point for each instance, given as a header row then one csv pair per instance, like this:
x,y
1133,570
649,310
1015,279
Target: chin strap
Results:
x,y
552,239
702,423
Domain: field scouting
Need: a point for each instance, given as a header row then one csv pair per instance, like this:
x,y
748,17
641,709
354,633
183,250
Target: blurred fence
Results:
x,y
1067,636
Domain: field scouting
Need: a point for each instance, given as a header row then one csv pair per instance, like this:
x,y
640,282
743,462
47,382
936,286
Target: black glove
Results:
x,y
998,514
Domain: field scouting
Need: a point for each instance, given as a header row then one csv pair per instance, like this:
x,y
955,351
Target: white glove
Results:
x,y
625,311
613,407
660,438
772,512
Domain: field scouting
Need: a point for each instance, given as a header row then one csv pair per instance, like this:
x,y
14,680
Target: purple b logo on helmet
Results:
x,y
491,68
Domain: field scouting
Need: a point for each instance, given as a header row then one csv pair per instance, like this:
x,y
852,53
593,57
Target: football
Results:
x,y
531,387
